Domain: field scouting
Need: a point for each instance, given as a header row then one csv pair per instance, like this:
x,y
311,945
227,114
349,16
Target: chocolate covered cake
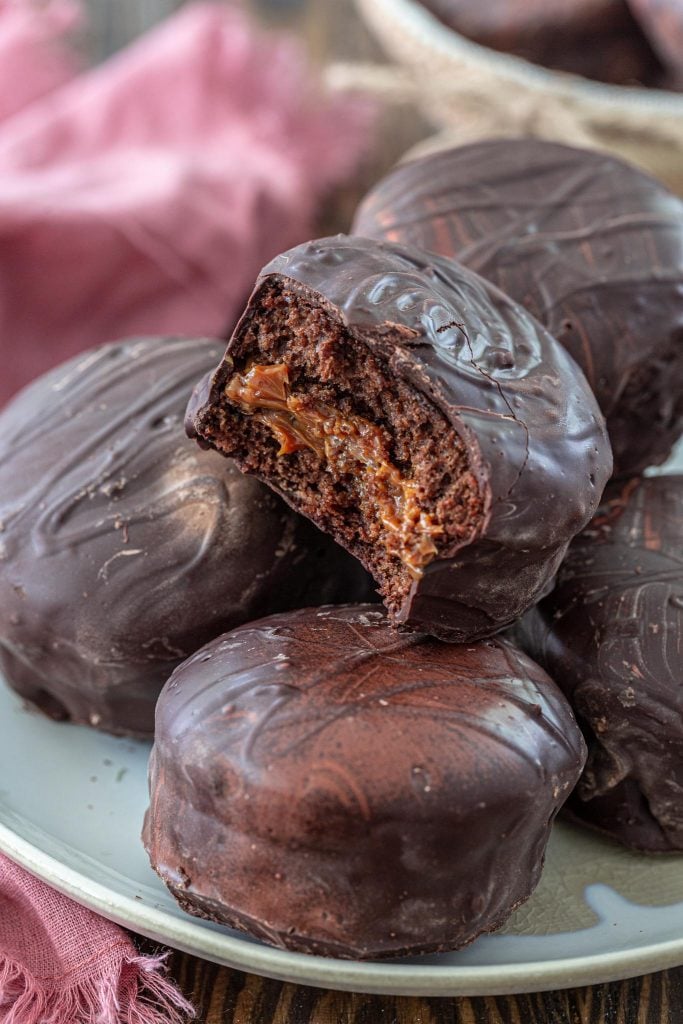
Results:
x,y
123,547
333,786
588,244
611,635
418,415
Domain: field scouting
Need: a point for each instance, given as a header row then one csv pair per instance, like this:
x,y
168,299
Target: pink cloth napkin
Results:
x,y
35,56
62,964
145,195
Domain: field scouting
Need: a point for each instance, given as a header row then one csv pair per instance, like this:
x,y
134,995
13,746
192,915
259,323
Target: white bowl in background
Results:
x,y
473,92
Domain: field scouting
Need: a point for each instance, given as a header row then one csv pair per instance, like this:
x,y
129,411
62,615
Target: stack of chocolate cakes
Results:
x,y
423,410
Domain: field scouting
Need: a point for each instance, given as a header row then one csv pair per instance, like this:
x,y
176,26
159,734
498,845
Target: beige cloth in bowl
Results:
x,y
471,92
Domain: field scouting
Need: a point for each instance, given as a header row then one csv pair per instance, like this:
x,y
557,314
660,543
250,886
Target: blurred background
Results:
x,y
339,42
154,154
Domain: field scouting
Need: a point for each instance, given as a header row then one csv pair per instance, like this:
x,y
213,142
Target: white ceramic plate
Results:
x,y
71,806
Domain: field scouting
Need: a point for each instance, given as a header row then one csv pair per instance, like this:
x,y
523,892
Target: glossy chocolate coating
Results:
x,y
589,245
596,38
532,430
335,786
123,547
610,634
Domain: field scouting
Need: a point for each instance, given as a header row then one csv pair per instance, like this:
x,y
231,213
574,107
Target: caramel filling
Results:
x,y
353,447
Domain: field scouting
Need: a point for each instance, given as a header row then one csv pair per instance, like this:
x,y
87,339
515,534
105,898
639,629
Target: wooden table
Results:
x,y
230,997
332,30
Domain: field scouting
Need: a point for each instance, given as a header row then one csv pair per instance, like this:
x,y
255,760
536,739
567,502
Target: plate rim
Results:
x,y
320,972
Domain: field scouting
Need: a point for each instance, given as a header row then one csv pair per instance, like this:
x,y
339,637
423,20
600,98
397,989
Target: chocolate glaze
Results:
x,y
123,547
588,244
610,633
534,436
334,786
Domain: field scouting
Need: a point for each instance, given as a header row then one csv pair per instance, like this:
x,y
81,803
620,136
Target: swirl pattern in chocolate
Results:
x,y
535,453
588,244
335,786
611,634
123,548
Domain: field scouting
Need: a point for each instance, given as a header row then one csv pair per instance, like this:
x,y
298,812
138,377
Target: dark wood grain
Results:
x,y
222,996
332,30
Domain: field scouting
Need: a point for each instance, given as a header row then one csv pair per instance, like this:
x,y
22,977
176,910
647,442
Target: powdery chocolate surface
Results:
x,y
611,635
588,244
334,786
477,408
123,547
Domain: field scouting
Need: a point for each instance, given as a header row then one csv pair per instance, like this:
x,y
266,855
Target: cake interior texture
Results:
x,y
310,408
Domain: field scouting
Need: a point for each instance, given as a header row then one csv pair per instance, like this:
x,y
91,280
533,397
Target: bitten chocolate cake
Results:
x,y
418,415
334,786
589,245
610,633
596,38
123,547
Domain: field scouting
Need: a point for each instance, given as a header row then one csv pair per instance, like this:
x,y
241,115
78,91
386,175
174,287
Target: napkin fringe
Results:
x,y
133,991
